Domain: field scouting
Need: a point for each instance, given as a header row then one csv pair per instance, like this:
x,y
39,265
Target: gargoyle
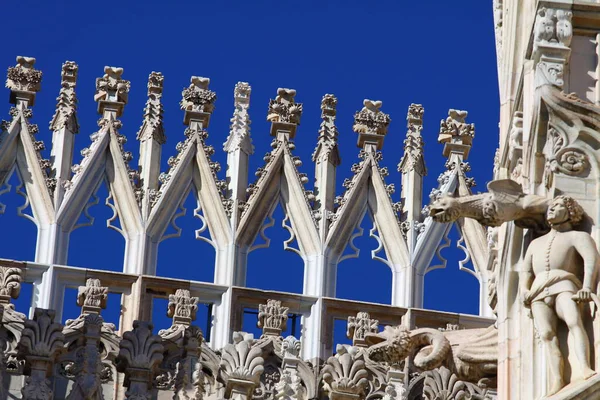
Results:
x,y
471,354
504,202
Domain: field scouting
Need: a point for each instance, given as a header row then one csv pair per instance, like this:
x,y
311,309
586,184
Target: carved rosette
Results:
x,y
272,318
41,343
345,374
371,124
359,327
140,354
241,366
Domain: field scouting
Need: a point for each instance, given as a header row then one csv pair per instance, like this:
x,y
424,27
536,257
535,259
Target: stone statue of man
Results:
x,y
563,263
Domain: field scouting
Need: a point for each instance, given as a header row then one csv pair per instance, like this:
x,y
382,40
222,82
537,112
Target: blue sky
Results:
x,y
434,52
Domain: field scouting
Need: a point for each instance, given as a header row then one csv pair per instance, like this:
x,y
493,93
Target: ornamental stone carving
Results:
x,y
551,287
111,87
284,113
327,145
344,375
371,124
442,384
23,80
456,134
65,115
239,133
197,97
413,144
359,327
152,127
41,343
241,366
140,354
272,318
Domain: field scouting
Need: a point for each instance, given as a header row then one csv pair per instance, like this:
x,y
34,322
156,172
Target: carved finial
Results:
x,y
239,134
456,134
92,297
182,307
139,357
272,318
152,127
112,92
371,124
345,374
327,147
66,106
359,327
284,113
290,347
241,366
10,284
23,80
198,101
413,144
41,342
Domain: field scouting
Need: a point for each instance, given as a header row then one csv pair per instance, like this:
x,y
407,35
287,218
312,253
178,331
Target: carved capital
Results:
x,y
371,124
272,318
24,81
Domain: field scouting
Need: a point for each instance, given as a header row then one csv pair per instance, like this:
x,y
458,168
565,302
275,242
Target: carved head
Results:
x,y
563,209
444,209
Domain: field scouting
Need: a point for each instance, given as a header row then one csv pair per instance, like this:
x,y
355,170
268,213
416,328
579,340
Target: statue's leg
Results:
x,y
570,312
545,321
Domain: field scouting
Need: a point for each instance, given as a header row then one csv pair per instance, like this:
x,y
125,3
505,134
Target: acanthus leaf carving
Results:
x,y
345,374
241,366
272,318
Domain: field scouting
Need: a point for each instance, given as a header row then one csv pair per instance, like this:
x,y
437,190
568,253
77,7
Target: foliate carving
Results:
x,y
561,158
66,106
442,384
371,124
272,318
553,26
284,107
455,133
289,386
359,327
152,127
197,97
41,342
327,146
345,374
140,354
111,87
241,366
10,284
239,133
23,77
290,347
413,144
182,308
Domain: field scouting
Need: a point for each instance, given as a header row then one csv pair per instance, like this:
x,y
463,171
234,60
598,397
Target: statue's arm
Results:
x,y
526,274
586,247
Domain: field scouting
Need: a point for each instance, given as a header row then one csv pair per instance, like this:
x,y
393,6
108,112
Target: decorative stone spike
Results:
x,y
272,318
198,102
65,115
24,81
41,343
327,147
152,127
359,327
371,124
239,134
456,135
413,144
284,114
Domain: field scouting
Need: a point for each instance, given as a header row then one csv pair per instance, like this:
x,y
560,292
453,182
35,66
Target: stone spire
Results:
x,y
239,134
152,127
371,125
151,136
412,167
24,81
284,114
456,135
239,147
64,125
326,158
